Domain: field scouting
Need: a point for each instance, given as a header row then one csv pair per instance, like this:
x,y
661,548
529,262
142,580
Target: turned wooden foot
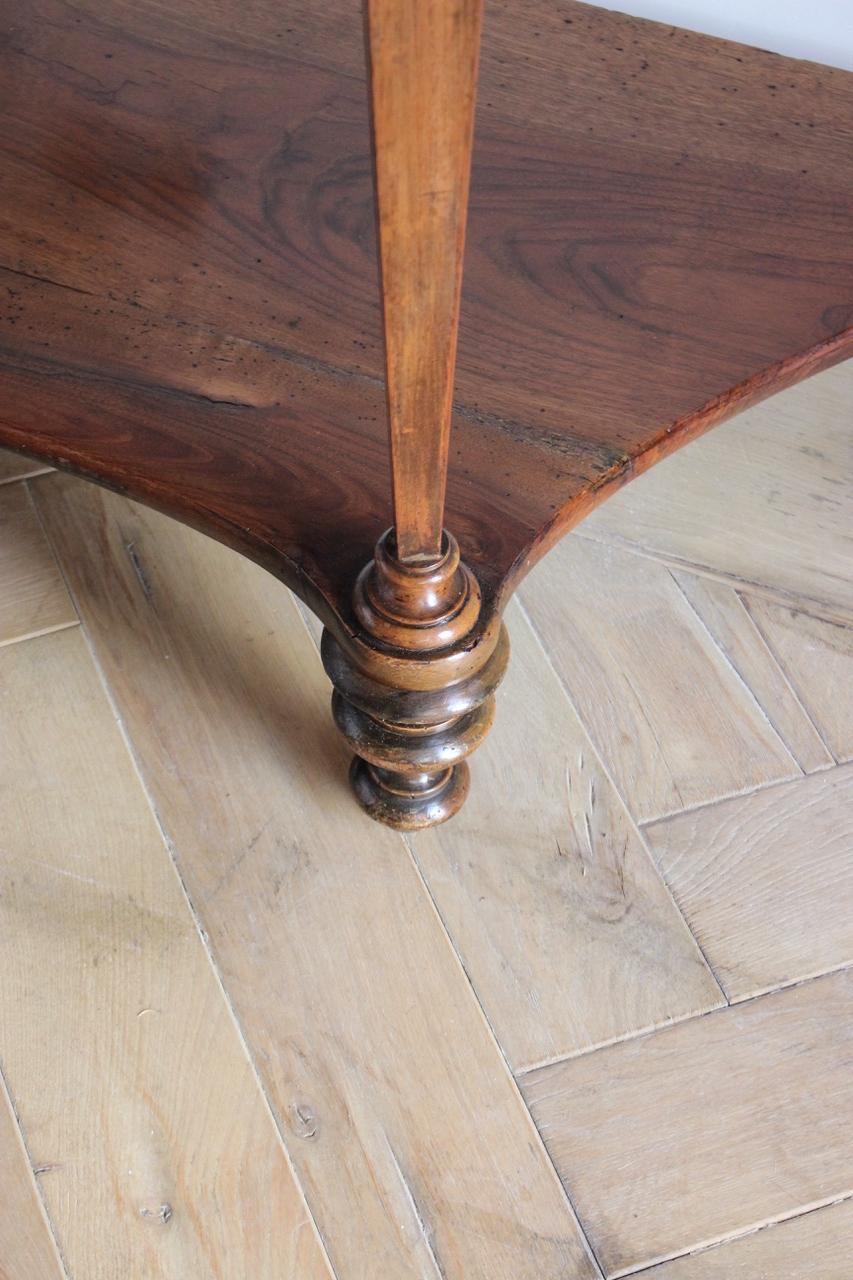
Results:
x,y
409,800
414,691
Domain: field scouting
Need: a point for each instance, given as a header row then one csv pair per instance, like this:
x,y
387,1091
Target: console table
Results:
x,y
659,233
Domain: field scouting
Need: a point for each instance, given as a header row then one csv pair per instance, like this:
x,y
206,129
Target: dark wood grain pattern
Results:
x,y
660,233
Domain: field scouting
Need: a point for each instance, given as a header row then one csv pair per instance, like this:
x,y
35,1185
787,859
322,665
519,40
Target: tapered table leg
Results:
x,y
414,694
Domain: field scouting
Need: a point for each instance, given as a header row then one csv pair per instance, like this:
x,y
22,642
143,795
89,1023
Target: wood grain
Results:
x,y
415,1150
817,656
734,632
567,933
641,263
766,881
710,1128
157,1151
673,722
422,70
764,502
814,1244
27,1246
34,599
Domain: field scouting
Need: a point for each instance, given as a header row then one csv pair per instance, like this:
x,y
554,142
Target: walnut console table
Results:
x,y
659,233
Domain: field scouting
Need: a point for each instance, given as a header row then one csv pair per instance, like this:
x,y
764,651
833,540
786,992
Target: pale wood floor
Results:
x,y
602,1024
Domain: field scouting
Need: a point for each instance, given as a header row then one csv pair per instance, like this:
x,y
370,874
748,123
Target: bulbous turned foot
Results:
x,y
414,710
409,801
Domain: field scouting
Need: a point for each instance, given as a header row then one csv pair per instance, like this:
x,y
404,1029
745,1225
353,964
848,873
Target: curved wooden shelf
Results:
x,y
660,233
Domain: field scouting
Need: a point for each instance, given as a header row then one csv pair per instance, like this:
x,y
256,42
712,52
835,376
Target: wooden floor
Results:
x,y
603,1030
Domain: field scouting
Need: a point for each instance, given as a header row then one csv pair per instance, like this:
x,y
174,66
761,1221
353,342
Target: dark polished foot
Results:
x,y
414,690
409,801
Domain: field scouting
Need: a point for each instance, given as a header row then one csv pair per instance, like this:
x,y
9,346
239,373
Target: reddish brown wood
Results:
x,y
422,61
191,301
414,688
659,234
417,605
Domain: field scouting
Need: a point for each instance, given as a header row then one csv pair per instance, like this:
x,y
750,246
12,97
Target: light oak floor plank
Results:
x,y
27,1248
724,614
413,1144
766,880
765,499
817,656
674,1140
160,1156
565,929
13,466
673,722
812,1246
33,599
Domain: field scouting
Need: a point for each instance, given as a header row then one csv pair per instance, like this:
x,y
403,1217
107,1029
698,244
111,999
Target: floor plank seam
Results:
x,y
564,1190
51,1226
609,775
740,795
708,1246
795,693
37,470
721,650
788,678
824,609
170,851
654,1029
718,1011
735,794
640,1033
737,1001
37,607
37,635
667,813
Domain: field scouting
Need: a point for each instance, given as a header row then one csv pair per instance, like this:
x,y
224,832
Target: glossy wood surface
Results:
x,y
659,234
422,61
